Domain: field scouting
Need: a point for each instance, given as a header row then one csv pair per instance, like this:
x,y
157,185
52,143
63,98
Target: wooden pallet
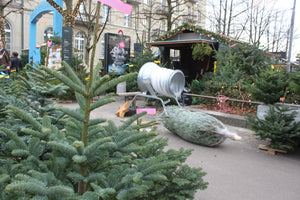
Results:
x,y
270,150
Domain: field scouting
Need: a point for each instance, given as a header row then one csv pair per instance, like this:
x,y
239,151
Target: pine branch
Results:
x,y
94,122
4,178
97,70
79,159
13,136
73,113
72,75
134,138
63,148
65,80
95,130
96,84
103,101
30,187
104,193
92,147
128,122
26,116
81,100
20,153
113,83
159,166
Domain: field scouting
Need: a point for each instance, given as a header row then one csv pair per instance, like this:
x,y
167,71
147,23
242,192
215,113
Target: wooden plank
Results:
x,y
271,151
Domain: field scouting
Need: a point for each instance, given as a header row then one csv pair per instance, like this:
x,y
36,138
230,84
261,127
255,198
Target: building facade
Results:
x,y
148,20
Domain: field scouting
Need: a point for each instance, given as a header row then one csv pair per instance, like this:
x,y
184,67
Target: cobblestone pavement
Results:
x,y
236,170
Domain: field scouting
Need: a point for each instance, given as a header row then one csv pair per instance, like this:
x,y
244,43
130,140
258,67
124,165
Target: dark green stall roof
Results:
x,y
186,35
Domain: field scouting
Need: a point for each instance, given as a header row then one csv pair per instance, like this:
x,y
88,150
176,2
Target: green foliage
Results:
x,y
279,127
140,59
132,85
295,82
24,58
248,59
201,50
56,40
79,70
235,68
269,86
76,157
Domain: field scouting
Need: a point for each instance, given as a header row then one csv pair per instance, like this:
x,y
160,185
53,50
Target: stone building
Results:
x,y
147,21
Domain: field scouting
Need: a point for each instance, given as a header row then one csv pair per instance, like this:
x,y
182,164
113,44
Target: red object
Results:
x,y
49,43
150,111
120,32
122,45
224,107
282,99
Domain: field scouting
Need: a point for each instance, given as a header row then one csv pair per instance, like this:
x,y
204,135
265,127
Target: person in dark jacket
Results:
x,y
4,58
16,63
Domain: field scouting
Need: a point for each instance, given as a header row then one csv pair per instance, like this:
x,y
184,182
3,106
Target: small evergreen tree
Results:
x,y
279,127
269,86
87,160
84,160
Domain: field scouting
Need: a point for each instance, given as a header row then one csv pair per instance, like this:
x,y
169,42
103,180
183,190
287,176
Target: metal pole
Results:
x,y
288,67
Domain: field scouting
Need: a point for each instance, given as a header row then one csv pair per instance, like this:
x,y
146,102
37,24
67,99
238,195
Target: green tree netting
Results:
x,y
196,127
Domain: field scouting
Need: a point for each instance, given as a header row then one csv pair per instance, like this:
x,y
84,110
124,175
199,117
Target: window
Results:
x,y
8,37
147,22
105,13
198,15
79,45
146,1
163,2
189,10
102,46
177,6
127,21
48,33
81,8
163,25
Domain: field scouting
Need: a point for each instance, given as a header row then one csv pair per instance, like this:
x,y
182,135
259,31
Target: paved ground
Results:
x,y
236,170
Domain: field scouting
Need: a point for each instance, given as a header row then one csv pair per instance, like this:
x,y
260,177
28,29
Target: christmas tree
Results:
x,y
76,157
278,127
269,86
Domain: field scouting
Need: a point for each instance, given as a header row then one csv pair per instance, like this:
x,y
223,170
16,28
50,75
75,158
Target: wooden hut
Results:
x,y
176,48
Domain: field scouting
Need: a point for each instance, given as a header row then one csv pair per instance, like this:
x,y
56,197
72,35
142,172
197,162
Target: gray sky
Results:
x,y
288,4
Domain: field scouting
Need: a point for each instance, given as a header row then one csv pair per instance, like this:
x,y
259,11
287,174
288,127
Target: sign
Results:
x,y
116,53
280,54
67,45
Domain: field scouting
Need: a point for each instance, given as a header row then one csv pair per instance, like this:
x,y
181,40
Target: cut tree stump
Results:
x,y
270,150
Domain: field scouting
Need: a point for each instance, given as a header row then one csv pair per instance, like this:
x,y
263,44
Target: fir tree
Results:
x,y
84,160
269,86
279,127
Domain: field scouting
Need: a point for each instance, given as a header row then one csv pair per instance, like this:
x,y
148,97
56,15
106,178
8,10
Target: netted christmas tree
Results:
x,y
196,127
278,127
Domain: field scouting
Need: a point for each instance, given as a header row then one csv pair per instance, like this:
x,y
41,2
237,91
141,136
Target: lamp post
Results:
x,y
288,67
